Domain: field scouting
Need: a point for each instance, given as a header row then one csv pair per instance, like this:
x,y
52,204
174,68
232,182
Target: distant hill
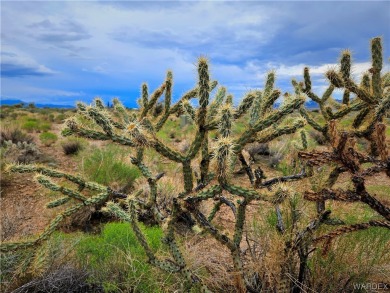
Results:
x,y
15,102
309,104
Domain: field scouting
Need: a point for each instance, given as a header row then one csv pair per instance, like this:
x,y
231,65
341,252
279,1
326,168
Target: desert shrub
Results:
x,y
44,127
14,135
47,269
318,137
22,152
50,117
48,138
30,126
14,115
63,279
71,147
60,118
108,166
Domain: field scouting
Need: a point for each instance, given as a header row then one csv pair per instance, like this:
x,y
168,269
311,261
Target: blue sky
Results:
x,y
64,51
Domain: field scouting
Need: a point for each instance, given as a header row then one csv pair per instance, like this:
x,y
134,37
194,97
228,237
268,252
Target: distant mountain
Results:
x,y
11,102
311,105
15,102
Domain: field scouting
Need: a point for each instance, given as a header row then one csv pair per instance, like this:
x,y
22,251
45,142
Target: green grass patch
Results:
x,y
379,189
48,138
108,165
351,259
116,259
30,126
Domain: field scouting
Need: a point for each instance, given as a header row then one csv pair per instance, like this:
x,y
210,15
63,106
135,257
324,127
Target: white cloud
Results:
x,y
127,43
16,64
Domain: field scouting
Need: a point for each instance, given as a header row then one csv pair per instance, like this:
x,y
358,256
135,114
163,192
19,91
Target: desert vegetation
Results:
x,y
259,197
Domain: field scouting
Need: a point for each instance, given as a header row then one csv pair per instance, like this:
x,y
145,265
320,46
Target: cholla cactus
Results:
x,y
139,130
371,102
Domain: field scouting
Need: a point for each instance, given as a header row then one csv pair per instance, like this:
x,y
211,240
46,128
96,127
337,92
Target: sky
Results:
x,y
60,52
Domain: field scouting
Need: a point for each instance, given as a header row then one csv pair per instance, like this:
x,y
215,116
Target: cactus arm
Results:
x,y
203,222
101,119
53,225
246,193
188,109
275,133
269,101
225,123
131,217
288,178
217,102
310,120
204,92
345,111
77,130
205,162
377,60
327,94
98,103
245,105
152,100
58,202
187,173
240,222
352,228
152,201
44,181
255,109
204,195
247,168
345,70
361,93
267,121
380,112
187,96
359,119
56,174
214,211
167,101
120,109
167,152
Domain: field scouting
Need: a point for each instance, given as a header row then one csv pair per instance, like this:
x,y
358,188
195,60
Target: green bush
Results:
x,y
30,126
48,138
45,127
107,166
116,260
60,118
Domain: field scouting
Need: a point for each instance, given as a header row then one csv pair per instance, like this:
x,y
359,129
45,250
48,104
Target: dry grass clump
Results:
x,y
14,135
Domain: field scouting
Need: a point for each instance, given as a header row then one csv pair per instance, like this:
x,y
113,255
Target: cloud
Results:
x,y
14,65
357,69
60,34
111,47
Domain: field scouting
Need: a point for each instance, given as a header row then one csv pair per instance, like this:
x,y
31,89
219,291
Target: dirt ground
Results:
x,y
23,200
